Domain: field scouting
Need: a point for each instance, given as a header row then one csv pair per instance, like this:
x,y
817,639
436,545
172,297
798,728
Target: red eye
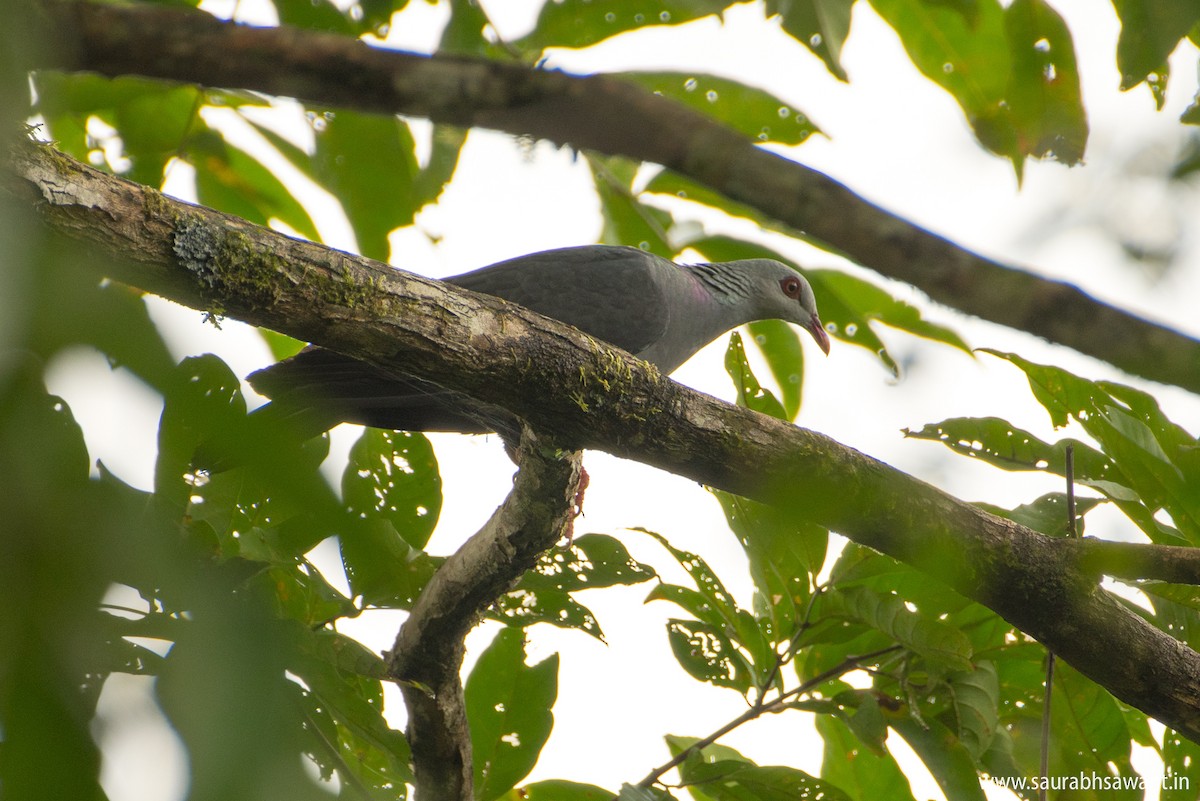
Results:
x,y
790,287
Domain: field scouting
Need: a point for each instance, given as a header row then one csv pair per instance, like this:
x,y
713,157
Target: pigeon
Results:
x,y
655,309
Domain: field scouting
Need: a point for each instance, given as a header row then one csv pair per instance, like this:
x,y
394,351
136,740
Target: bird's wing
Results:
x,y
611,293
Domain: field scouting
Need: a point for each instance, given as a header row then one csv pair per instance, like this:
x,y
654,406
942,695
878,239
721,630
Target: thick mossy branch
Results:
x,y
615,117
587,395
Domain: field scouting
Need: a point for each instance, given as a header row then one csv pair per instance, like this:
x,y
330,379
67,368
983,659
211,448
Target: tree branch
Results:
x,y
429,648
618,118
606,399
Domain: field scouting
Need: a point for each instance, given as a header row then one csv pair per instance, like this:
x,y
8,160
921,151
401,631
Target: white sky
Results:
x,y
893,137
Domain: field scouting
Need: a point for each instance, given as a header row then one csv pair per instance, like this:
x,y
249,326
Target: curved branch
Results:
x,y
428,653
608,400
614,117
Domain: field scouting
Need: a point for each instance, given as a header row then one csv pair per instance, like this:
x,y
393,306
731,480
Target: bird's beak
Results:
x,y
818,333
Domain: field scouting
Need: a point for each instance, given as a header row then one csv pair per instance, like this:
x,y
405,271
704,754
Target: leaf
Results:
x,y
204,397
1150,31
975,695
543,594
1012,71
1048,514
999,443
508,705
667,182
1044,100
857,772
588,562
317,15
1156,459
711,603
735,781
581,23
784,554
229,179
559,790
749,392
753,112
345,691
1090,730
1181,767
780,346
393,475
948,760
381,566
927,636
820,25
627,219
369,164
522,608
707,654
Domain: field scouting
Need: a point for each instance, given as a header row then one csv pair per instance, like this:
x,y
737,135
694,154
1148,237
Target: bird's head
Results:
x,y
784,294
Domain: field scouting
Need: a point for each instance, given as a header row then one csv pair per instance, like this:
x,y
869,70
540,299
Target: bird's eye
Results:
x,y
790,287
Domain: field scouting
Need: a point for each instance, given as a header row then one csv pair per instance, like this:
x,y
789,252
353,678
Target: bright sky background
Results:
x,y
893,137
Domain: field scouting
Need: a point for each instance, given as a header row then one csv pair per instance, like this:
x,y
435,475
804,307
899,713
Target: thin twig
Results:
x,y
759,709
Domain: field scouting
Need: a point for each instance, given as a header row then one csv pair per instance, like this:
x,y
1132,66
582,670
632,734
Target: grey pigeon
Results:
x,y
655,309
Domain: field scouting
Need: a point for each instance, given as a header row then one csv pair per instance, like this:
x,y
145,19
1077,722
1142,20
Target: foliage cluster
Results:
x,y
257,673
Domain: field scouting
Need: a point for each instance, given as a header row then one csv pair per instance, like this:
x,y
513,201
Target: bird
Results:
x,y
657,310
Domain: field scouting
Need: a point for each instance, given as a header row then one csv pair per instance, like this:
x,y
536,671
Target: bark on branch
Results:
x,y
606,399
429,649
618,118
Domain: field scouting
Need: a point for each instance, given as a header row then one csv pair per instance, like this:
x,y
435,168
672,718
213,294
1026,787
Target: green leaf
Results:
x,y
856,302
975,695
393,475
445,148
1150,31
627,221
861,775
304,595
464,32
749,392
780,346
1048,514
667,182
205,396
559,790
784,554
1088,721
522,608
820,25
345,704
927,636
382,566
154,125
866,720
588,562
733,780
1044,100
1011,70
580,23
543,594
508,706
753,112
369,164
317,15
707,654
229,179
1181,767
948,760
1154,457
